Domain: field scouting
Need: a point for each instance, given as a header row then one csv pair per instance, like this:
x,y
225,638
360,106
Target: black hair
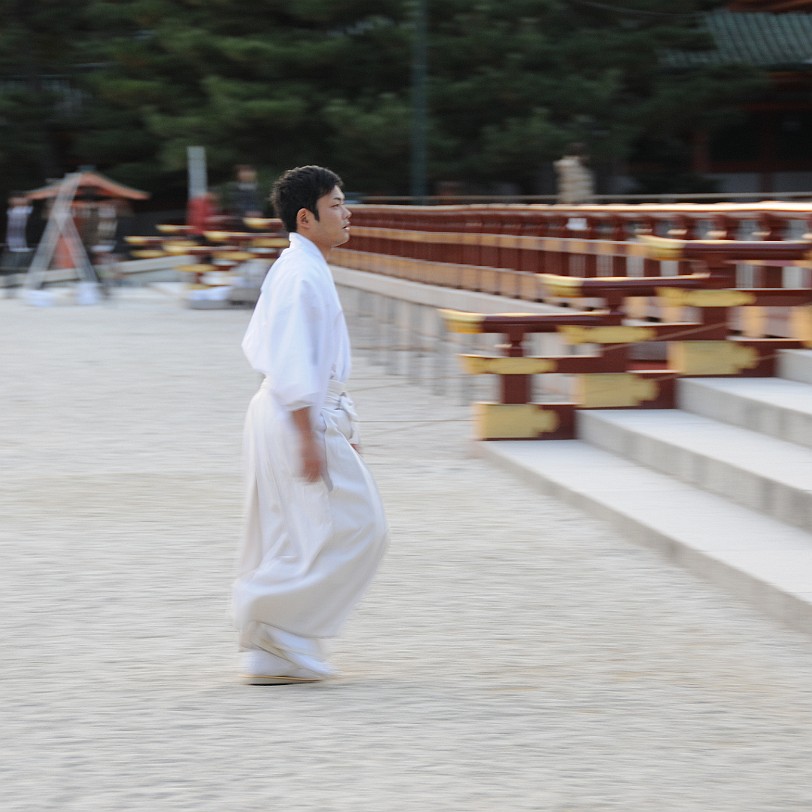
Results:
x,y
300,188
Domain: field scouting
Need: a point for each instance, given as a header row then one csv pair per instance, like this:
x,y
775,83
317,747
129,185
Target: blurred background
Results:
x,y
410,99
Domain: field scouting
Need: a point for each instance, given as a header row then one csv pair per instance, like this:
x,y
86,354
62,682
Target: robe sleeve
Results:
x,y
283,340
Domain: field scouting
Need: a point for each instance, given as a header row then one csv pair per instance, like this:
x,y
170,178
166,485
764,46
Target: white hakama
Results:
x,y
310,549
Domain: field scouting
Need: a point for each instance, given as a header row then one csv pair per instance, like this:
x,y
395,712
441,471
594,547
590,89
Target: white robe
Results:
x,y
310,549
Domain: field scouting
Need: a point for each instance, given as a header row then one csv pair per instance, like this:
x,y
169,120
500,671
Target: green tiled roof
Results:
x,y
748,38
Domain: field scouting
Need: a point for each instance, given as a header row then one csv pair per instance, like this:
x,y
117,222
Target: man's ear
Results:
x,y
303,217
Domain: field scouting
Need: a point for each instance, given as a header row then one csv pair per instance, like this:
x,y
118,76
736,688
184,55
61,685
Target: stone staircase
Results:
x,y
722,485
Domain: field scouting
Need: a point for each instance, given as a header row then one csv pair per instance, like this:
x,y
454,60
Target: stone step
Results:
x,y
771,476
776,407
796,365
756,557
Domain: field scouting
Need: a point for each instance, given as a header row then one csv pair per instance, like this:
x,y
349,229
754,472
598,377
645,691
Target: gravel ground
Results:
x,y
513,654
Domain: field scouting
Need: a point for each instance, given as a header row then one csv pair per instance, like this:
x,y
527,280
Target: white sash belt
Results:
x,y
338,399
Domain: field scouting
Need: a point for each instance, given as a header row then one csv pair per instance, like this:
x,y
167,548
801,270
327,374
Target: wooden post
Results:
x,y
515,388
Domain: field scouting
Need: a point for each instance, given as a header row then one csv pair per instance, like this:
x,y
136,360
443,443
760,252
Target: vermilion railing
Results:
x,y
701,281
450,245
609,375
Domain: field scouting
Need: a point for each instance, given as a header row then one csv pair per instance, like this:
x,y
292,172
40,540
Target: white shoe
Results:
x,y
263,668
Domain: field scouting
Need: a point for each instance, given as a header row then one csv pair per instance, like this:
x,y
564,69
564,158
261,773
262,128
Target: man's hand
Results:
x,y
312,455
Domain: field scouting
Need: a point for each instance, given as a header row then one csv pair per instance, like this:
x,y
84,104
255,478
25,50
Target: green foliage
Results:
x,y
282,82
39,106
372,137
535,76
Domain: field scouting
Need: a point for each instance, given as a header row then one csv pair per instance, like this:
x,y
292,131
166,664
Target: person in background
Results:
x,y
245,199
17,252
315,529
575,182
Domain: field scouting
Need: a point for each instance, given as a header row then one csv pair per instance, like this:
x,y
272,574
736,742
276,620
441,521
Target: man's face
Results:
x,y
333,226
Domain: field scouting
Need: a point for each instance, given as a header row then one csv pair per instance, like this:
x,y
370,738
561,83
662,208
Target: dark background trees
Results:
x,y
128,86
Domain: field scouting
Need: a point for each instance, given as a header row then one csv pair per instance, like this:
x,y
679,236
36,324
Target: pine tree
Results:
x,y
279,85
536,75
40,103
284,82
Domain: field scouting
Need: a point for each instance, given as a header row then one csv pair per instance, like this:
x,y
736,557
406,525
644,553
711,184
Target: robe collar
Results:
x,y
303,244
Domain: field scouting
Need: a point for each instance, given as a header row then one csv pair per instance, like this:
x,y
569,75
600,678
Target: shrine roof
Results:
x,y
773,6
751,38
90,182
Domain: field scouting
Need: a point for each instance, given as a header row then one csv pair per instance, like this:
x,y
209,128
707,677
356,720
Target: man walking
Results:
x,y
17,253
315,527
